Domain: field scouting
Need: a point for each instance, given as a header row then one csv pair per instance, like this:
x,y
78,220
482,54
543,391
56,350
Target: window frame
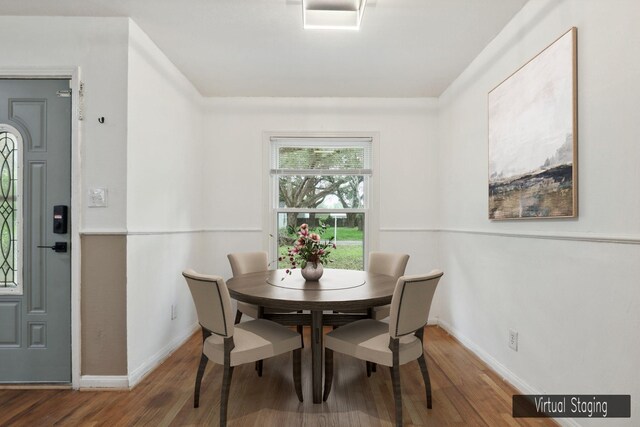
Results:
x,y
275,140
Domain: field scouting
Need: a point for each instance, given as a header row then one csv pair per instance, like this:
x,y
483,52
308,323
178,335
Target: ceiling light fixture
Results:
x,y
332,14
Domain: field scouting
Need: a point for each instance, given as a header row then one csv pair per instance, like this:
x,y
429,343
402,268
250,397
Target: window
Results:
x,y
322,181
10,212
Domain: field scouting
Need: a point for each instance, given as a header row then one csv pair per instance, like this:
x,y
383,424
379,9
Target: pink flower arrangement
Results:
x,y
308,248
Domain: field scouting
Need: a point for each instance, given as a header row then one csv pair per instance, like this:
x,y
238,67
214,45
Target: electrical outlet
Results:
x,y
174,311
513,340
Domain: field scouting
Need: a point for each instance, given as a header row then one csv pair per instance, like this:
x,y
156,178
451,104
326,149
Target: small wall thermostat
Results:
x,y
97,197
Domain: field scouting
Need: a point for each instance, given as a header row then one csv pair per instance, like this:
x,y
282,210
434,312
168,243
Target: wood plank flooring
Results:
x,y
465,393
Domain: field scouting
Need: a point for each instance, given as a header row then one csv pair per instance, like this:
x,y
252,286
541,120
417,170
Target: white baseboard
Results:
x,y
518,383
104,381
154,361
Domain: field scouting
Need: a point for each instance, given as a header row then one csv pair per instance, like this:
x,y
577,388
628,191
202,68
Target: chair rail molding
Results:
x,y
629,239
408,230
124,232
576,237
104,232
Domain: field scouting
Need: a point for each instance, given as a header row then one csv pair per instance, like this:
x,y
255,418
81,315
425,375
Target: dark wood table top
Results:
x,y
336,290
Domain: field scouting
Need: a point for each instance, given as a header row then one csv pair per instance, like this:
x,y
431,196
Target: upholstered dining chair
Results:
x,y
246,263
231,345
389,263
393,344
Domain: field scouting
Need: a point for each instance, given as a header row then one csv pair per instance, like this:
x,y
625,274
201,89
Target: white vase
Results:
x,y
312,271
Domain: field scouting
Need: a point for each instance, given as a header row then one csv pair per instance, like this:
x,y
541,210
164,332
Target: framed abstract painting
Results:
x,y
533,137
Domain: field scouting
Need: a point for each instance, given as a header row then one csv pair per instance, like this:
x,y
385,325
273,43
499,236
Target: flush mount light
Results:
x,y
332,14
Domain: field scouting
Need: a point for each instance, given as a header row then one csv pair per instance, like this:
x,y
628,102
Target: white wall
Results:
x,y
576,302
235,203
164,203
164,142
99,47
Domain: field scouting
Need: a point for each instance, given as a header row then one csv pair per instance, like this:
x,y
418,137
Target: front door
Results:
x,y
35,257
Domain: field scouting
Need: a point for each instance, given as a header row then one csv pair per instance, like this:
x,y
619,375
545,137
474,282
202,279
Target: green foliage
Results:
x,y
344,233
311,191
348,257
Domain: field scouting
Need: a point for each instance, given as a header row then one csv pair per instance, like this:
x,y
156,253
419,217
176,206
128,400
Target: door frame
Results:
x,y
73,74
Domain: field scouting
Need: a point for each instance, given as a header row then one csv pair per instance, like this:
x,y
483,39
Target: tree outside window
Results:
x,y
323,182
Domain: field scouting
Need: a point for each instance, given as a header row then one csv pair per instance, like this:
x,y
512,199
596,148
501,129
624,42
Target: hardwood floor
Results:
x,y
465,392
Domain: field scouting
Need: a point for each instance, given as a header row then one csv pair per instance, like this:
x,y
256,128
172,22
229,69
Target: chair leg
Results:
x,y
394,346
397,393
297,375
425,376
300,331
238,317
374,367
260,368
328,372
196,394
369,368
224,394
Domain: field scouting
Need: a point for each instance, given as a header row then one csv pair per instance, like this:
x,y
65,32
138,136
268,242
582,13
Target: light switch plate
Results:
x,y
97,197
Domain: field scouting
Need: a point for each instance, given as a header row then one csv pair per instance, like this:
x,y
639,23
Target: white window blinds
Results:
x,y
321,156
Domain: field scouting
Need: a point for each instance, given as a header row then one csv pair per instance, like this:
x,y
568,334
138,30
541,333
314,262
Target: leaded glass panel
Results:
x,y
8,210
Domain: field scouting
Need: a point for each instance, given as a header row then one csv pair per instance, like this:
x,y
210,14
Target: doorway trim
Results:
x,y
73,74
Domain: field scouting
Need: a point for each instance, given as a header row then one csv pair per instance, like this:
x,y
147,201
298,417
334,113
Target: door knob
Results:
x,y
57,247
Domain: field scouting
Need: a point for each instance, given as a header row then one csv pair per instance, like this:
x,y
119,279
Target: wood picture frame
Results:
x,y
533,137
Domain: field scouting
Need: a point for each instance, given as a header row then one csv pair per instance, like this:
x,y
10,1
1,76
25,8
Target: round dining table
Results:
x,y
346,296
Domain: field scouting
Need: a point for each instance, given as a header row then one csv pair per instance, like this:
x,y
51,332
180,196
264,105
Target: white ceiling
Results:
x,y
405,48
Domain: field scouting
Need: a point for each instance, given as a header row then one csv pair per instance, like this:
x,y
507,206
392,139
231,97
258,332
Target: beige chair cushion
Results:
x,y
248,262
212,300
369,340
411,302
389,263
254,340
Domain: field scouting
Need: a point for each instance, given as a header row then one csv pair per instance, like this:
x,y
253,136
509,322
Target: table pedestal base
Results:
x,y
316,355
